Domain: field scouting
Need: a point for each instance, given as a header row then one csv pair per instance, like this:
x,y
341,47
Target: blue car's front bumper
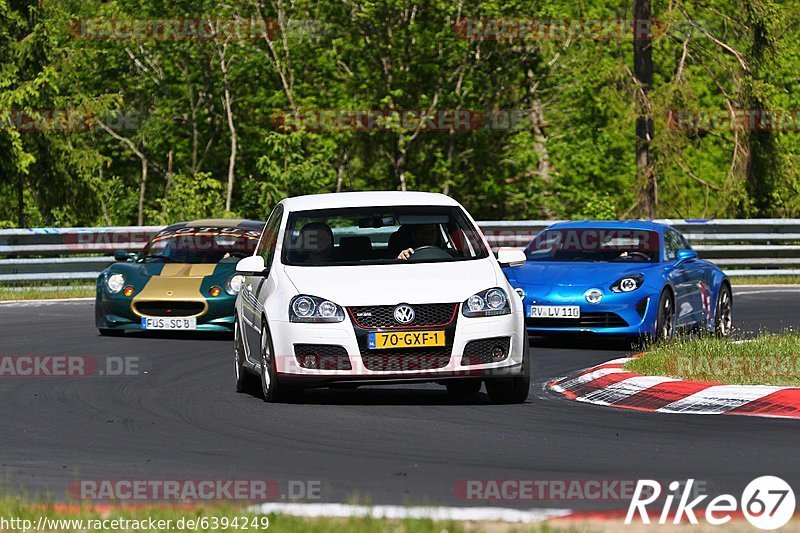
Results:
x,y
617,314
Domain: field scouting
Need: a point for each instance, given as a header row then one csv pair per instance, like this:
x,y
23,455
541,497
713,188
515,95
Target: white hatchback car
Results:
x,y
378,287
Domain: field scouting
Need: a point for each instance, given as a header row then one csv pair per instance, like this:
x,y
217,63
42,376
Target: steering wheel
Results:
x,y
424,253
637,254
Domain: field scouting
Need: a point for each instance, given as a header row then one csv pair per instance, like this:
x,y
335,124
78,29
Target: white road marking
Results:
x,y
766,291
399,512
50,301
585,378
719,399
623,389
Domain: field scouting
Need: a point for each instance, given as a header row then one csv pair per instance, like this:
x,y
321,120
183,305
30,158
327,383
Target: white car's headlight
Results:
x,y
491,302
312,309
628,283
235,284
115,282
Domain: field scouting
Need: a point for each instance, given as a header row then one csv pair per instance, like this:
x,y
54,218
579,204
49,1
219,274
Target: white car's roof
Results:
x,y
366,199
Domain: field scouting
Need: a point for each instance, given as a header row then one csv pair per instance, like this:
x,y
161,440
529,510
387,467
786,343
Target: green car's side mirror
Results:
x,y
122,255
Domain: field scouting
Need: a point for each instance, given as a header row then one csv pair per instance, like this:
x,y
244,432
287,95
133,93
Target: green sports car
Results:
x,y
184,279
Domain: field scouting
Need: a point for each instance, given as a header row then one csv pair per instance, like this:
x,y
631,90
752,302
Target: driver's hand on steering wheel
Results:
x,y
405,254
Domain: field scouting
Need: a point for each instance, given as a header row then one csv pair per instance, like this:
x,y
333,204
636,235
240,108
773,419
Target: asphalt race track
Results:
x,y
182,420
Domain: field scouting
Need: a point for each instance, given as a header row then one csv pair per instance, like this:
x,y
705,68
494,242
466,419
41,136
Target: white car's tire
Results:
x,y
272,390
513,390
244,380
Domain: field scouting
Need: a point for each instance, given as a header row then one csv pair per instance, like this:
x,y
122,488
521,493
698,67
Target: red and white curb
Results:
x,y
450,514
400,512
610,385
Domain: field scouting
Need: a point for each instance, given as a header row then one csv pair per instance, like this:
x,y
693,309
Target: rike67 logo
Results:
x,y
767,502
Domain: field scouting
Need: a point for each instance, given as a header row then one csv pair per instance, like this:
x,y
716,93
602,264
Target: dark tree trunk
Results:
x,y
643,70
20,201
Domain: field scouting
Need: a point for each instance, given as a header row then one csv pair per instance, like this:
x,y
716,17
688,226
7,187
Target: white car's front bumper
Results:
x,y
355,362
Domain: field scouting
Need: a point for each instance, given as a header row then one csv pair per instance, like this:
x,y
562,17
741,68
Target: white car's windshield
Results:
x,y
377,235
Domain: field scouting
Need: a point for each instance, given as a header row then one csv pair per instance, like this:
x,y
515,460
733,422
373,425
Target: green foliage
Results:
x,y
189,197
573,157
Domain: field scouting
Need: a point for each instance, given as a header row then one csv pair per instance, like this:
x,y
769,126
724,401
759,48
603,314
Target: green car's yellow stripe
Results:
x,y
177,281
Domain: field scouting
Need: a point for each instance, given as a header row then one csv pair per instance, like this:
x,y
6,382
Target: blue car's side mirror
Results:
x,y
685,255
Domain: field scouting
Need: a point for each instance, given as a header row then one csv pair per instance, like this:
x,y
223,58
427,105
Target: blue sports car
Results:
x,y
632,279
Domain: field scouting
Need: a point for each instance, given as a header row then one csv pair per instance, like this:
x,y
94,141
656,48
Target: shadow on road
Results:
x,y
587,342
180,335
425,394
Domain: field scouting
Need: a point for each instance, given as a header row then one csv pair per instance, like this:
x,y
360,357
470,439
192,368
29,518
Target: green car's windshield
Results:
x,y
202,244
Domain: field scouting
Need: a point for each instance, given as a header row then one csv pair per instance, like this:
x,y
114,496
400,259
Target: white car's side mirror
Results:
x,y
251,266
510,257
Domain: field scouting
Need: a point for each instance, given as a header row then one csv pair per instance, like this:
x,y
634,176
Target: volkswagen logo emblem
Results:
x,y
404,314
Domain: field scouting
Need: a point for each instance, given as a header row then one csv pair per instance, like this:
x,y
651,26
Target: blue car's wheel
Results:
x,y
665,320
723,317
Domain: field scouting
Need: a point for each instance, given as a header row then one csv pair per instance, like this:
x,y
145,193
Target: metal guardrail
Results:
x,y
766,247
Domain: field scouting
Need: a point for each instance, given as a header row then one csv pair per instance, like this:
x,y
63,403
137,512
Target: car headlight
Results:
x,y
491,302
628,283
312,309
115,282
234,284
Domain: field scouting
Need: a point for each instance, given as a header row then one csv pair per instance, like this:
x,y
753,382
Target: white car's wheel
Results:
x,y
243,379
271,388
269,385
513,390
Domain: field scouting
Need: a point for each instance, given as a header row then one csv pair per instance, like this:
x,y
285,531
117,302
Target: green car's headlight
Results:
x,y
115,282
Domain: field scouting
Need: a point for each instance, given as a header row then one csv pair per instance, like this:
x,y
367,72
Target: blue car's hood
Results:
x,y
553,274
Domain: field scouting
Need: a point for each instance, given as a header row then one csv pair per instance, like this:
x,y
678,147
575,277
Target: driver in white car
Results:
x,y
316,243
421,235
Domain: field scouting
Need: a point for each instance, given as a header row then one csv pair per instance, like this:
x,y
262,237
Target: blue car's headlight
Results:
x,y
312,309
628,283
491,302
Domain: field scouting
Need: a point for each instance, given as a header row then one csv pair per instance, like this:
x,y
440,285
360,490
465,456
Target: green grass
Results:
x,y
208,516
765,280
769,359
38,292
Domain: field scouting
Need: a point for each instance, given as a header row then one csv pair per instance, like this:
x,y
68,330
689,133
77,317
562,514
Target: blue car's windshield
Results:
x,y
594,245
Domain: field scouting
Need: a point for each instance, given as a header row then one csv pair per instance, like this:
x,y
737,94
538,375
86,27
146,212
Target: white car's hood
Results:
x,y
413,283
